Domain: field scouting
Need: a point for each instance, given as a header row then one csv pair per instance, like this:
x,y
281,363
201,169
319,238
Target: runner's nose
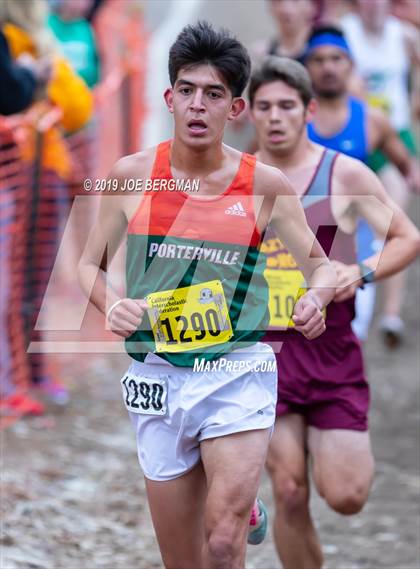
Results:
x,y
197,102
275,115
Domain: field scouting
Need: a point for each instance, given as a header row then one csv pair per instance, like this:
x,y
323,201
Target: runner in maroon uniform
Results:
x,y
323,394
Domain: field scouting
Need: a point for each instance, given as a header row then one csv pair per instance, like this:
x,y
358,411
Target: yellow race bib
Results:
x,y
191,317
285,289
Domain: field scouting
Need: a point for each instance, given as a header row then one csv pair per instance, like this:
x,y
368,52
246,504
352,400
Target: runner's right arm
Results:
x,y
103,242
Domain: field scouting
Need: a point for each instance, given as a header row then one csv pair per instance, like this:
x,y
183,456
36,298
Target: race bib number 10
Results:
x,y
285,289
191,317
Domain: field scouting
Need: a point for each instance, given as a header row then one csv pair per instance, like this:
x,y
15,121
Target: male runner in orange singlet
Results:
x,y
199,391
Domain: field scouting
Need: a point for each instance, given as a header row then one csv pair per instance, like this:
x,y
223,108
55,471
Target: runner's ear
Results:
x,y
311,110
237,107
169,98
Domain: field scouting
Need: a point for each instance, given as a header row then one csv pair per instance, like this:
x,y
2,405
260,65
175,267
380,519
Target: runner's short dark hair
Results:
x,y
201,44
291,72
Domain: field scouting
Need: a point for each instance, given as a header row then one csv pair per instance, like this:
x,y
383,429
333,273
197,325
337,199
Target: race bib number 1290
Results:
x,y
144,395
190,317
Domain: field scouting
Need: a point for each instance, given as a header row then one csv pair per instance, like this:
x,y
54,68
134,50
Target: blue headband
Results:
x,y
327,38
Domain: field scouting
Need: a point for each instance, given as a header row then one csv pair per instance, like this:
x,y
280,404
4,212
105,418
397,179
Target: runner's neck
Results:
x,y
196,162
330,105
302,156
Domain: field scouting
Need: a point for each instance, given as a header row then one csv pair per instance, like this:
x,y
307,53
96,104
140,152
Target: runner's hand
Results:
x,y
348,280
127,315
308,317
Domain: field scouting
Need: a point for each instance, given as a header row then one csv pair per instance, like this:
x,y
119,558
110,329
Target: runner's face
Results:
x,y
329,68
280,117
201,103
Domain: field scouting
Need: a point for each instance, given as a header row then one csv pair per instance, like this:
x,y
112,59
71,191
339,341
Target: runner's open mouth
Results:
x,y
197,125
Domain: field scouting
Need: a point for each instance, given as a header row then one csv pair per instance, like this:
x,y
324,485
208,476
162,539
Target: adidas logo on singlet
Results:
x,y
236,209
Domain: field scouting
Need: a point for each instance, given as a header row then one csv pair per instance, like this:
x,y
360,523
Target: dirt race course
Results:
x,y
73,497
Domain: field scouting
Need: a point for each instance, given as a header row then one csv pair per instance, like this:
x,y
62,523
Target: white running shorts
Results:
x,y
174,408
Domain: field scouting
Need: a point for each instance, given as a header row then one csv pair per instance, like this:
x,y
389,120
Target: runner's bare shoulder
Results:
x,y
270,181
351,177
130,173
134,166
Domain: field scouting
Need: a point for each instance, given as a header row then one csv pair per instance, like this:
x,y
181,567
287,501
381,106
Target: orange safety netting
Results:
x,y
41,171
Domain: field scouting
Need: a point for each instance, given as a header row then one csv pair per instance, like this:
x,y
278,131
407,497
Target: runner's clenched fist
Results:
x,y
126,315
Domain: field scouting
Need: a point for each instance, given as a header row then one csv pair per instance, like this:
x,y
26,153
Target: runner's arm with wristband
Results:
x,y
369,201
123,314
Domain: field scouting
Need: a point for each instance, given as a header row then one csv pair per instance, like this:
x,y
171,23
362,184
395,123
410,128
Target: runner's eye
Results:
x,y
185,90
214,95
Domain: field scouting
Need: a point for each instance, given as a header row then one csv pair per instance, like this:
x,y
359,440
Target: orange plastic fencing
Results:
x,y
15,176
35,199
121,110
34,196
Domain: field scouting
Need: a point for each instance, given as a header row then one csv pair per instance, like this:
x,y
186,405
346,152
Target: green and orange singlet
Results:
x,y
198,264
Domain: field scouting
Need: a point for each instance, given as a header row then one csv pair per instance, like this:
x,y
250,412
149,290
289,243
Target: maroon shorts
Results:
x,y
322,379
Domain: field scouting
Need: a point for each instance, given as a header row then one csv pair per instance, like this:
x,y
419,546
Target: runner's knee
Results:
x,y
347,500
291,494
221,549
293,497
222,540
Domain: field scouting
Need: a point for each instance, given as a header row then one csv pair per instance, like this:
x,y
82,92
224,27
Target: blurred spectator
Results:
x,y
25,27
17,90
383,50
331,11
43,201
408,10
18,82
293,20
76,37
94,9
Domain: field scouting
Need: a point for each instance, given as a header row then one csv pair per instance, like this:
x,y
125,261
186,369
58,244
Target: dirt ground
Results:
x,y
73,496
